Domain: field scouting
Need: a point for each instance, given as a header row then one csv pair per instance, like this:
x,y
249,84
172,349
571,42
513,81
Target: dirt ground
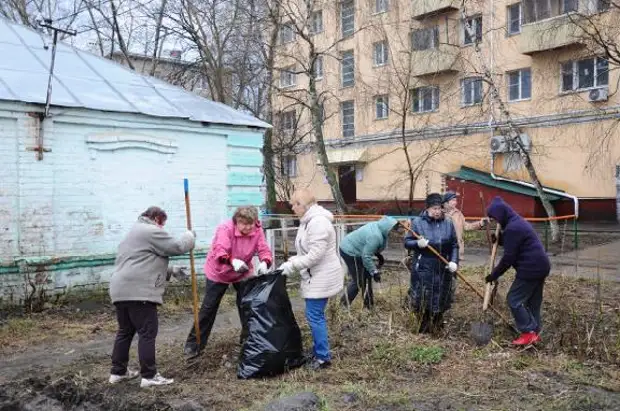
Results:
x,y
380,361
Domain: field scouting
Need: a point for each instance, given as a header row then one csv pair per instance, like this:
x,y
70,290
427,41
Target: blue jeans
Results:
x,y
315,315
525,300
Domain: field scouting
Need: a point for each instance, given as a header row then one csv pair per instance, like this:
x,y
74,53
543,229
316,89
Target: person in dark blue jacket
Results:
x,y
524,251
431,291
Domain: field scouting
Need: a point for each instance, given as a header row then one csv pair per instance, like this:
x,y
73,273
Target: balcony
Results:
x,y
550,34
435,61
425,8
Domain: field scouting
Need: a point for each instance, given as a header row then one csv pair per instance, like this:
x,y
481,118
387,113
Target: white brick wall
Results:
x,y
85,194
9,191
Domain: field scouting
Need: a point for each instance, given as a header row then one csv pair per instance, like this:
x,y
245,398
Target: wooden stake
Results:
x,y
487,288
188,217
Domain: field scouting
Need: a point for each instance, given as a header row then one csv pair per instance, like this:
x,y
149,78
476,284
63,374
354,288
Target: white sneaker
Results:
x,y
156,380
129,375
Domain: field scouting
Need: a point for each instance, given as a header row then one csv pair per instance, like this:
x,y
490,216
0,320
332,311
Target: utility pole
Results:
x,y
47,23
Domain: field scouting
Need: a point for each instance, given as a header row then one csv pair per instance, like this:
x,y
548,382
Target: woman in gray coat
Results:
x,y
136,288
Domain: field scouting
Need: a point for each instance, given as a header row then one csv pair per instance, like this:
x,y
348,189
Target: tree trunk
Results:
x,y
513,131
160,18
317,126
268,155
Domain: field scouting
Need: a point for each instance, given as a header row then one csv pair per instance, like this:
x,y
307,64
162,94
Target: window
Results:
x,y
288,77
347,113
316,22
381,6
347,18
318,68
382,107
536,10
514,19
381,53
347,69
569,5
288,120
603,5
289,166
520,85
471,91
476,26
424,39
286,33
425,99
584,74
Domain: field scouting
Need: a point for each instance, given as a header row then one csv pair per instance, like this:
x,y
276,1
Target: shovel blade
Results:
x,y
481,333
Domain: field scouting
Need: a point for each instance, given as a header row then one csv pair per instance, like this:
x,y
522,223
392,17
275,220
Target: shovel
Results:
x,y
482,331
462,278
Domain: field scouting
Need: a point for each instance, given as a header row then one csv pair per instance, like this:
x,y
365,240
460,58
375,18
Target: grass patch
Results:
x,y
427,355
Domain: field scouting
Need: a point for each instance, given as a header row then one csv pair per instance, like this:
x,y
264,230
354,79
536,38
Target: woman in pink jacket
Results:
x,y
229,261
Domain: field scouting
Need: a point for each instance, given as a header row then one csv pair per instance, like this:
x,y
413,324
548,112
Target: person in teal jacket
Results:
x,y
357,250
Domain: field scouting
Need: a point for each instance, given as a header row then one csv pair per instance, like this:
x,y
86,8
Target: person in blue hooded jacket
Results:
x,y
524,251
431,291
357,250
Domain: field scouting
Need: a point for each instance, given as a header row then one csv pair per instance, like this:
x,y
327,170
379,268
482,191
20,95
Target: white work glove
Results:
x,y
452,267
287,268
262,268
422,243
180,273
239,266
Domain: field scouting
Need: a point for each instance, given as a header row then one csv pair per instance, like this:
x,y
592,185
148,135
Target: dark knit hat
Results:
x,y
449,196
433,199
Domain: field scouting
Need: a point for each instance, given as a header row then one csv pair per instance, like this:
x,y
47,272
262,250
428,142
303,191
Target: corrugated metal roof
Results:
x,y
84,80
480,177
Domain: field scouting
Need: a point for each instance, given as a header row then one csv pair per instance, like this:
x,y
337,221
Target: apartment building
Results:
x,y
419,75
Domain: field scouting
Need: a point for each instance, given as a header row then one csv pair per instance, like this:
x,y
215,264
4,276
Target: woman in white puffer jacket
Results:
x,y
317,260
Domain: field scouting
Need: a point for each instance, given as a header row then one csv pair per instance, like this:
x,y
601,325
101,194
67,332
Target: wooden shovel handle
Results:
x,y
488,287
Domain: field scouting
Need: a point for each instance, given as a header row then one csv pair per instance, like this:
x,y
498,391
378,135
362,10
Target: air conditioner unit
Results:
x,y
598,94
498,144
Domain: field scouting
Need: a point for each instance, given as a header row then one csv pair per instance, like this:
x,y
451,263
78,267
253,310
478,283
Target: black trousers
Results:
x,y
360,280
525,299
132,317
206,317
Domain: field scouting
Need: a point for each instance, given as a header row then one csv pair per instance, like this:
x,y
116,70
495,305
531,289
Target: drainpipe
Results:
x,y
530,185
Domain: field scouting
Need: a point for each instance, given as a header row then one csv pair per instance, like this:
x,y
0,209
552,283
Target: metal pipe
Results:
x,y
530,185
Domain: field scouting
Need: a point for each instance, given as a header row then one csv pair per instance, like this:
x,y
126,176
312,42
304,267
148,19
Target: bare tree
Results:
x,y
300,57
411,81
503,120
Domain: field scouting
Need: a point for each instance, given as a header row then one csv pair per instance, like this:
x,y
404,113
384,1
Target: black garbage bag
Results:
x,y
273,343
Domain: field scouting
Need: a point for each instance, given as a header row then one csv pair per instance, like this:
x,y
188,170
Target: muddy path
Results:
x,y
43,359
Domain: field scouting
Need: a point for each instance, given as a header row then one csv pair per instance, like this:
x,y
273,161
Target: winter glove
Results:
x,y
422,242
381,260
239,266
287,268
376,276
263,268
452,267
489,278
180,273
